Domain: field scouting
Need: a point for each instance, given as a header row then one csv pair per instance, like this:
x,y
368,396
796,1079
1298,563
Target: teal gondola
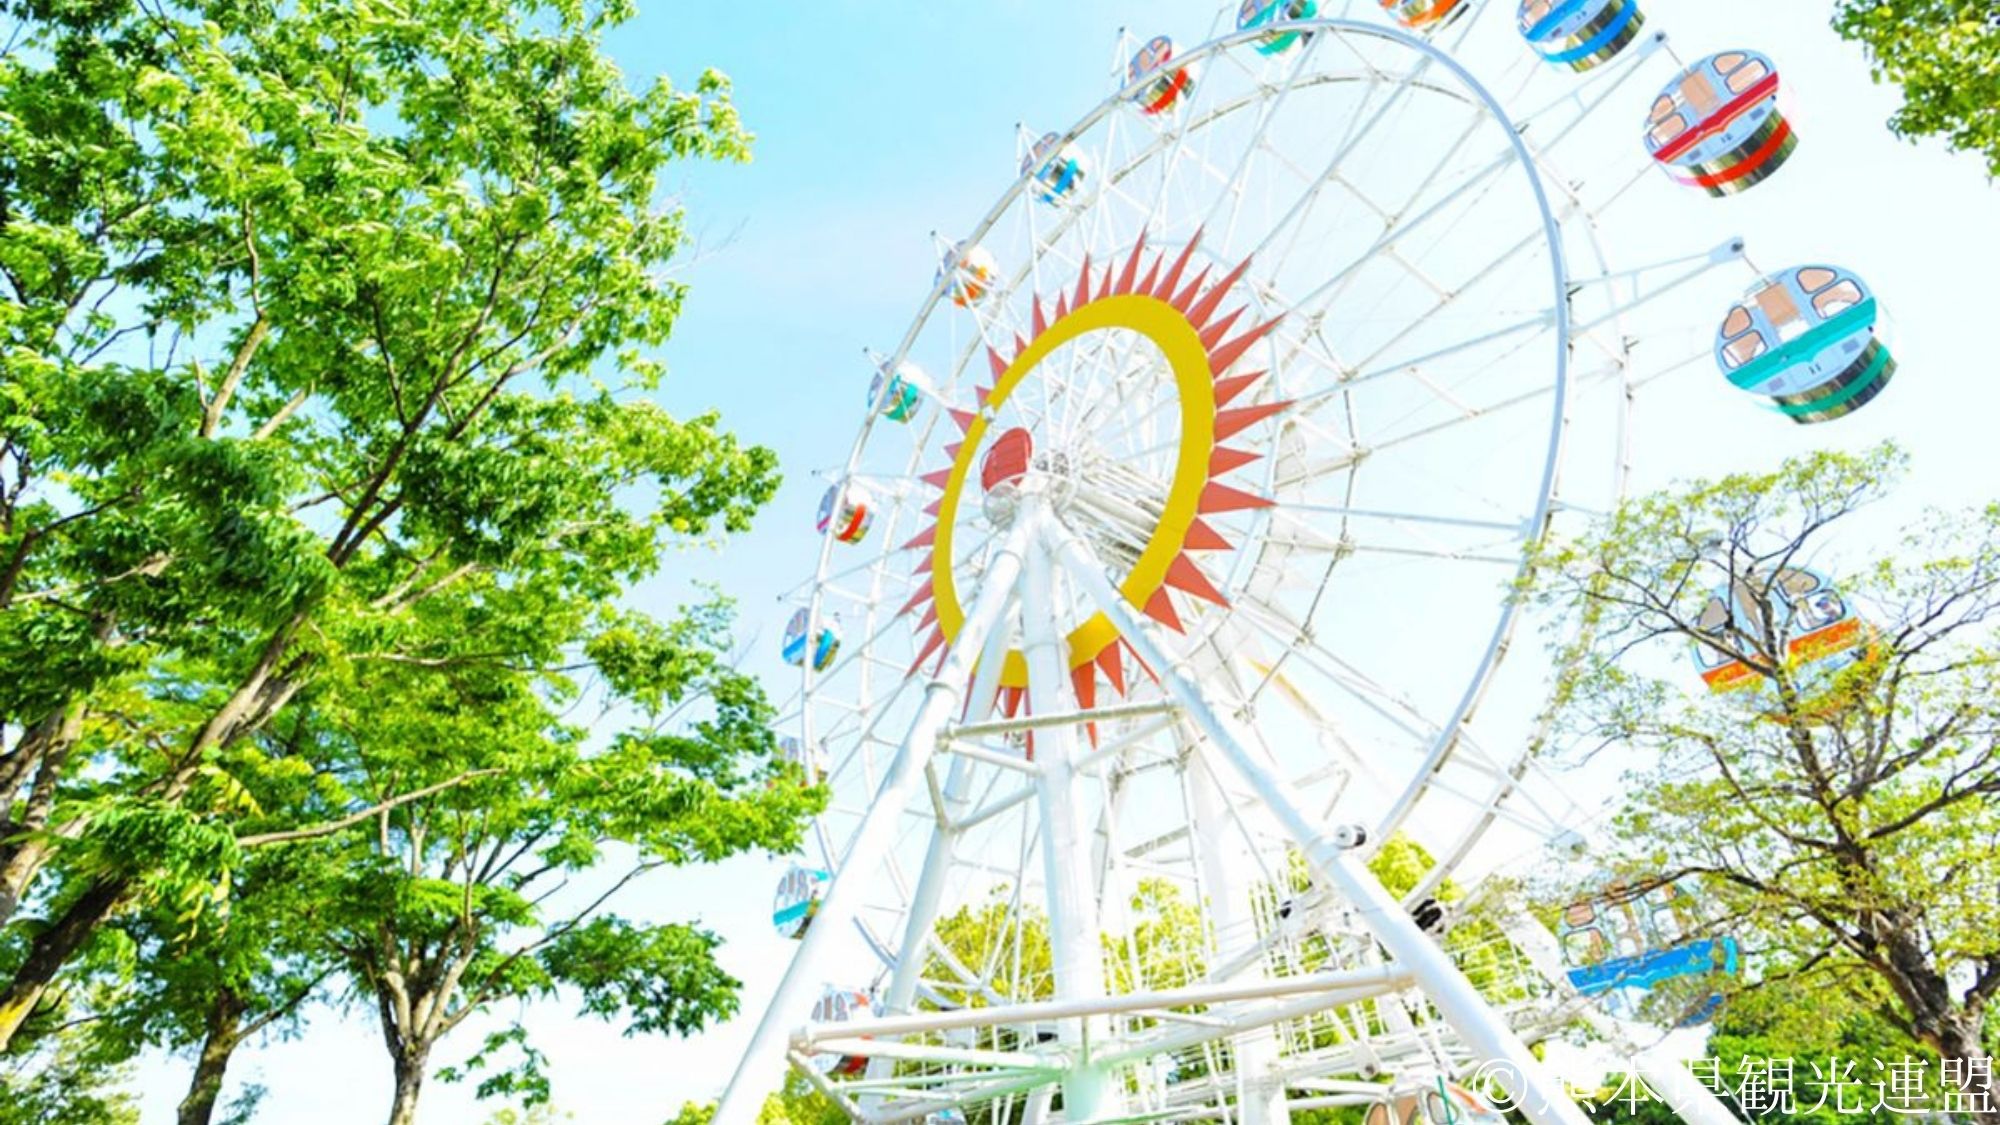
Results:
x,y
1261,13
1806,338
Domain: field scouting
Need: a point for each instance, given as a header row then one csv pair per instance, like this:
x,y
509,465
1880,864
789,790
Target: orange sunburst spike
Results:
x,y
1113,665
1062,305
1224,459
1020,345
1104,287
1160,607
937,478
1083,681
1213,334
1184,575
1152,277
1219,497
931,645
1201,537
1228,422
951,449
1199,313
1083,283
937,505
981,394
962,417
1040,321
1226,389
1220,358
1186,296
1166,290
1131,271
998,364
1143,666
930,618
924,593
924,538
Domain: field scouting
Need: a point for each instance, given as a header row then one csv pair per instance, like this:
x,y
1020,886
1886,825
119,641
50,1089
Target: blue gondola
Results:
x,y
1620,944
1806,339
1059,168
1580,34
825,644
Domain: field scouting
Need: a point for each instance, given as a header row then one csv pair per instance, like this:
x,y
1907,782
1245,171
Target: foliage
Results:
x,y
1842,825
64,1078
1787,1026
795,1103
326,454
498,889
1945,54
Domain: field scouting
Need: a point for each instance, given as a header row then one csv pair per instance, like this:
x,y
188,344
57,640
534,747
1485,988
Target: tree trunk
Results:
x,y
224,1032
1961,1037
410,1067
42,751
52,949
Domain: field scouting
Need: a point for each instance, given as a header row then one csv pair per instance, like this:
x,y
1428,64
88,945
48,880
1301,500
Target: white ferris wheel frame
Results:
x,y
1019,575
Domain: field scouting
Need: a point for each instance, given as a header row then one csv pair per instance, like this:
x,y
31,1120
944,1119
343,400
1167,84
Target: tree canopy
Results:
x,y
328,454
1945,55
1840,821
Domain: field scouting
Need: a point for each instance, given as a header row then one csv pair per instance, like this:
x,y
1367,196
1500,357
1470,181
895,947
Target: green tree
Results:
x,y
64,1076
500,889
319,313
1822,1044
796,1103
1843,826
1945,54
207,988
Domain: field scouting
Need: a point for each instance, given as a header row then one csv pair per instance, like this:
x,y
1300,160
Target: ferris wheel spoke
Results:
x,y
1517,527
1256,143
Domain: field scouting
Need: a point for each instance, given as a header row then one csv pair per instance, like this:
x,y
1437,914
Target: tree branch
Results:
x,y
350,821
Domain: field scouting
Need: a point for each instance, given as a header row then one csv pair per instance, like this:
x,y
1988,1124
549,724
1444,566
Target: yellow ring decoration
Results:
x,y
1168,328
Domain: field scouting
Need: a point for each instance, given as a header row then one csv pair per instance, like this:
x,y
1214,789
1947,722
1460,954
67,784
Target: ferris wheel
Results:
x,y
1169,576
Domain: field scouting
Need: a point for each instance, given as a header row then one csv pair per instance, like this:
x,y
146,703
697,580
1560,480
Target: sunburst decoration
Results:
x,y
1182,317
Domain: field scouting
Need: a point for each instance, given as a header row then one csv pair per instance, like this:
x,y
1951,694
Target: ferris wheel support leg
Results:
x,y
937,859
1536,1092
1076,949
761,1069
1664,1074
1260,1098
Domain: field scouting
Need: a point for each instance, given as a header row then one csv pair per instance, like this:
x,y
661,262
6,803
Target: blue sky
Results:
x,y
879,122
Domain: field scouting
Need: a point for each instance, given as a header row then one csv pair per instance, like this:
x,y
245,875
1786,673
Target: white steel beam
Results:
x,y
761,1068
1333,858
